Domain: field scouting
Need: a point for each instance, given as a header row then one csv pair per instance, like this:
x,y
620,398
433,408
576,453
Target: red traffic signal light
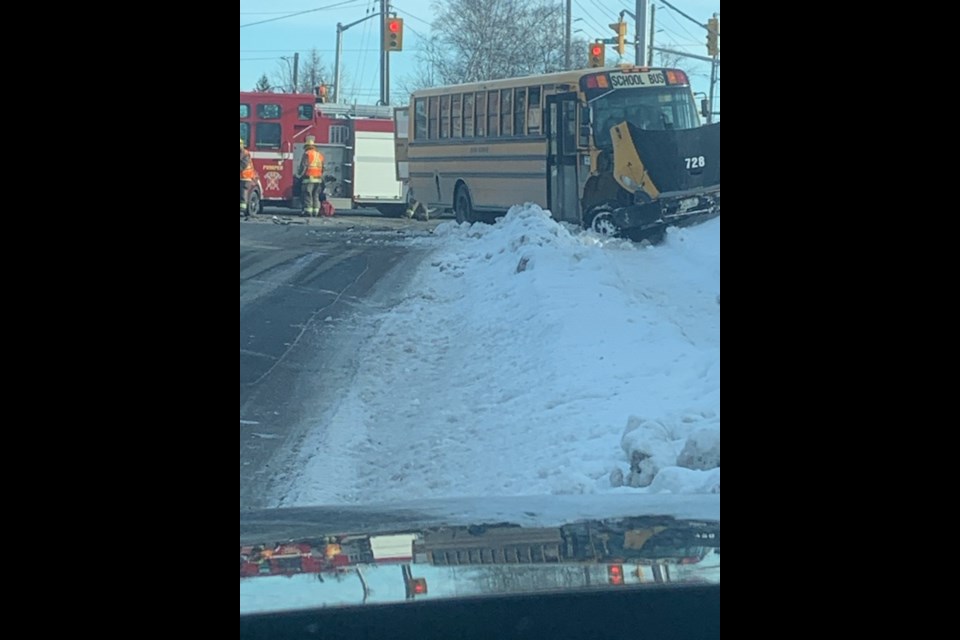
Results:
x,y
597,54
393,34
615,574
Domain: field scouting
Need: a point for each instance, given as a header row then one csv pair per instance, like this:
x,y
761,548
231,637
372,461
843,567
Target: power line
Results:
x,y
681,25
407,13
691,19
677,36
299,13
601,30
606,8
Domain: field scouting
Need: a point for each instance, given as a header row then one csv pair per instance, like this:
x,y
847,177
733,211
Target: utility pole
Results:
x,y
714,66
653,23
567,36
641,32
296,70
384,55
335,98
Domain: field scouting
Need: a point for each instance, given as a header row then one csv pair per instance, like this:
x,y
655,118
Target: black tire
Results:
x,y
254,206
463,206
600,220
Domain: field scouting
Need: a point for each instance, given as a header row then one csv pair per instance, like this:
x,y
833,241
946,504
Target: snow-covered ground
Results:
x,y
527,358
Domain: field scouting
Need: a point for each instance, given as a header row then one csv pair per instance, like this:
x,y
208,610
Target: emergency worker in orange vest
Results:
x,y
311,172
247,176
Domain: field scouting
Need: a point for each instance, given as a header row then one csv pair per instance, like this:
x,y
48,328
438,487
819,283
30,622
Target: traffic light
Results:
x,y
713,37
393,34
417,587
615,574
597,54
620,28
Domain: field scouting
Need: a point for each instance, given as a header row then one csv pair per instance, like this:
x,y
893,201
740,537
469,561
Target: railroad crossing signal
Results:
x,y
393,34
597,54
713,37
620,28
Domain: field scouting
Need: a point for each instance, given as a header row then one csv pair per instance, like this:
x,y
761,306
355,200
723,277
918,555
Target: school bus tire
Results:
x,y
463,205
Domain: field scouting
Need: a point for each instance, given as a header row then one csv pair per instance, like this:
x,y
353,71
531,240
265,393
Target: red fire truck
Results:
x,y
357,142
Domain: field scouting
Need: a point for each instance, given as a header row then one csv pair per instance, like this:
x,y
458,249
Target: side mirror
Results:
x,y
705,108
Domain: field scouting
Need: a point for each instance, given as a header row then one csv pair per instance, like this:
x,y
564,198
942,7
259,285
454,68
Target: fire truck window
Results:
x,y
339,134
244,111
245,133
305,112
268,135
268,111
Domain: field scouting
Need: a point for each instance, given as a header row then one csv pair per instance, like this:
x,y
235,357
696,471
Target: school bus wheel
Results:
x,y
463,205
600,220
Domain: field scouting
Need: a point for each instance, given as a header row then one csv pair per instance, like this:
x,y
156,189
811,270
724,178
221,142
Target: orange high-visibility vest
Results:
x,y
314,164
249,173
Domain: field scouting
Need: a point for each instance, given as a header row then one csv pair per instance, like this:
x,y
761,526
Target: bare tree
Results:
x,y
475,40
312,71
671,60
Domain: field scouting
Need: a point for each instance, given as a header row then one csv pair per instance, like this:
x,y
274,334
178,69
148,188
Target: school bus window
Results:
x,y
481,115
534,112
420,120
520,113
468,115
506,112
244,111
268,135
493,114
305,112
268,111
245,133
444,116
456,116
434,117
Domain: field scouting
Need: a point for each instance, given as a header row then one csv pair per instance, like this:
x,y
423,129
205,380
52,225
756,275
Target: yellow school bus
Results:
x,y
619,150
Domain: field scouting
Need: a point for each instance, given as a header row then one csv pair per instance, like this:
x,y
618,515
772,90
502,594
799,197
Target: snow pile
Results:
x,y
512,362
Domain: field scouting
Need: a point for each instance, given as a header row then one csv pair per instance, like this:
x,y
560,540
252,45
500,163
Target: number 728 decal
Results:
x,y
697,162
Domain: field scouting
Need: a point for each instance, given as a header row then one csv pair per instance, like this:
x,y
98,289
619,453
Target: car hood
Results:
x,y
307,558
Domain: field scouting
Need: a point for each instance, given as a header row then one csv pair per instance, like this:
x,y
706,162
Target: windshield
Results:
x,y
649,110
507,355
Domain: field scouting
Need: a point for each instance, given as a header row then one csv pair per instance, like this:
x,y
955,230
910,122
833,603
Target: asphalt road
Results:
x,y
297,282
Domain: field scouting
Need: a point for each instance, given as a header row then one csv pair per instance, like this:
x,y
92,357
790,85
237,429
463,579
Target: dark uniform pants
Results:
x,y
311,198
245,186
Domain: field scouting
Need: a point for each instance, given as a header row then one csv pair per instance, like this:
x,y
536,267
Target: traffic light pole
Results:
x,y
384,55
641,32
339,54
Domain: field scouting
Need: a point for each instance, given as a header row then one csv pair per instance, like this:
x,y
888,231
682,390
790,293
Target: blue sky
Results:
x,y
263,46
